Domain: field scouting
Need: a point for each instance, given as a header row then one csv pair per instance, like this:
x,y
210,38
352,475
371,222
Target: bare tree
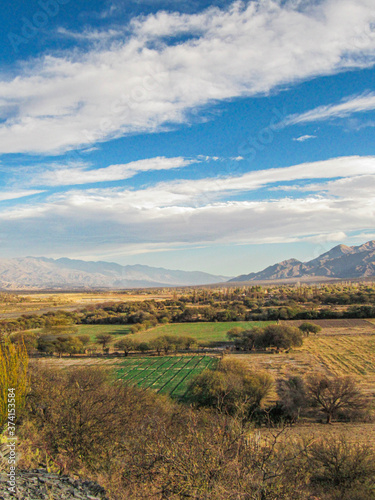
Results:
x,y
334,394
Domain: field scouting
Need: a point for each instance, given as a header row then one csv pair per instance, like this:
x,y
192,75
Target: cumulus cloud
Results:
x,y
148,80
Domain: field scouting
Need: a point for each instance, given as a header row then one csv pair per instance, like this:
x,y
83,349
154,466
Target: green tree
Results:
x,y
246,340
143,347
307,328
126,345
85,339
27,338
104,339
282,337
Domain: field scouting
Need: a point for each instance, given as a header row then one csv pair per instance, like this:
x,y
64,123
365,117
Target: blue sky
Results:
x,y
216,136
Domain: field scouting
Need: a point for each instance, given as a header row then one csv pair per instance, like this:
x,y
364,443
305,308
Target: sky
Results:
x,y
198,135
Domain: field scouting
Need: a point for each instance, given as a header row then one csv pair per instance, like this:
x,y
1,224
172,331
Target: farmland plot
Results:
x,y
204,332
166,374
348,326
345,355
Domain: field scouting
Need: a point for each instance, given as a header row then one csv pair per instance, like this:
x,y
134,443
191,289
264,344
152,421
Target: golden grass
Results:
x,y
346,354
39,303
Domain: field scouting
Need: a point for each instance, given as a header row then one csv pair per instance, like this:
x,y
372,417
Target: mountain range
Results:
x,y
340,262
44,273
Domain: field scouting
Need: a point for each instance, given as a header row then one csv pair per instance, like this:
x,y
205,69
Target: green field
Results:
x,y
93,330
165,375
202,332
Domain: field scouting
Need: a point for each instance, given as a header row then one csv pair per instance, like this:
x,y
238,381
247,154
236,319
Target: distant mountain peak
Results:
x,y
370,245
341,261
290,261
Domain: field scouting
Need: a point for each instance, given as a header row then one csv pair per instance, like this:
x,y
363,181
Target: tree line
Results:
x,y
146,314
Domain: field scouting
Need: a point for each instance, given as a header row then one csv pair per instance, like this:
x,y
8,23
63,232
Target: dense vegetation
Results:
x,y
278,336
251,303
141,445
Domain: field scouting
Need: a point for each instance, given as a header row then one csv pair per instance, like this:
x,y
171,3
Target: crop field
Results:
x,y
202,332
342,354
165,375
93,330
345,355
340,326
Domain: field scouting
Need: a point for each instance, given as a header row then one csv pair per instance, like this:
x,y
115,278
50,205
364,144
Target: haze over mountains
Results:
x,y
340,262
43,273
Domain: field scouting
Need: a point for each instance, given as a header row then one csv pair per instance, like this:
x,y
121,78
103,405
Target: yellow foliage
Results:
x,y
13,374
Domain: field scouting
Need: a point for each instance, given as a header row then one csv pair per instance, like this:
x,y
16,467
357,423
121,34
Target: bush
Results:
x,y
232,388
338,464
77,414
292,396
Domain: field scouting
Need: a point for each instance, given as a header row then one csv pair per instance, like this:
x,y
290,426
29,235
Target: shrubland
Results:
x,y
140,445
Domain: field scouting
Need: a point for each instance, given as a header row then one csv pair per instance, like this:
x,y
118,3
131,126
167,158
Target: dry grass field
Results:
x,y
343,347
39,303
340,326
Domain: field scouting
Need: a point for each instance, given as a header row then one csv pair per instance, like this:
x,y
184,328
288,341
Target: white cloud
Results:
x,y
78,173
144,83
189,191
304,138
183,191
13,195
326,237
194,212
353,104
92,35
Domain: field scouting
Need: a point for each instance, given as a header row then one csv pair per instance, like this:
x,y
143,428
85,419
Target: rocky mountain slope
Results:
x,y
340,262
33,272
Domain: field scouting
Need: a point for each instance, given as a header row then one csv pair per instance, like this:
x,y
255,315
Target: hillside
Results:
x,y
340,262
42,273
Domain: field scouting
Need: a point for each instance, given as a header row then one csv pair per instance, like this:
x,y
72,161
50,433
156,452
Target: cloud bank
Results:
x,y
337,193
